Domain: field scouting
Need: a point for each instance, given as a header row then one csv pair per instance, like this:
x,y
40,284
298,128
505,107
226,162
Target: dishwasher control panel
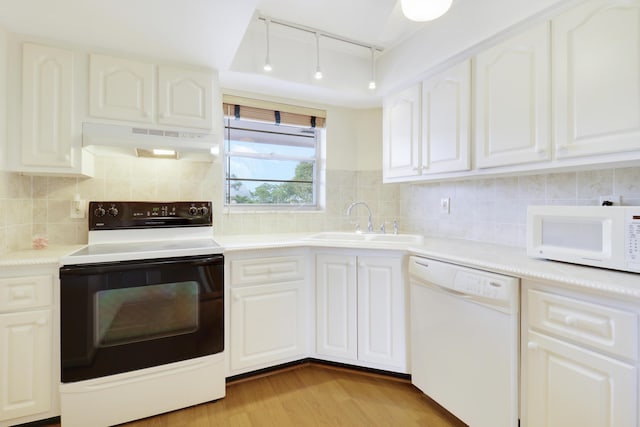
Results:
x,y
480,285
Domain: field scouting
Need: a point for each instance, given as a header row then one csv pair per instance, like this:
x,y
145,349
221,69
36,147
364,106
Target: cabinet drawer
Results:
x,y
271,269
17,293
595,325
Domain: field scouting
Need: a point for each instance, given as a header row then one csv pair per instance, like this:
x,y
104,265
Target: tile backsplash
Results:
x,y
494,210
490,209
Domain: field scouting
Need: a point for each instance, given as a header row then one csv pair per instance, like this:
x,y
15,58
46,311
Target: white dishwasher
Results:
x,y
465,340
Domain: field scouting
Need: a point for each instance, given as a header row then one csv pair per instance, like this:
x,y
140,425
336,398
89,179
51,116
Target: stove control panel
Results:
x,y
110,215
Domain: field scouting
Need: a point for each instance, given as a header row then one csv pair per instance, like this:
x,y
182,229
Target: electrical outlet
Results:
x,y
444,205
78,209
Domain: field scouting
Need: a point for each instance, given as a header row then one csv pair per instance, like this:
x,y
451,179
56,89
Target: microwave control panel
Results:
x,y
632,240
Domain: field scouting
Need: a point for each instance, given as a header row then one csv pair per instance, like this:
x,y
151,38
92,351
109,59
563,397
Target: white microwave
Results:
x,y
601,236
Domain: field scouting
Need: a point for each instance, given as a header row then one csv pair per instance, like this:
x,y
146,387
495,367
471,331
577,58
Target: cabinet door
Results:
x,y
267,324
47,107
570,386
381,311
445,120
596,57
25,363
336,321
401,134
121,89
184,97
513,101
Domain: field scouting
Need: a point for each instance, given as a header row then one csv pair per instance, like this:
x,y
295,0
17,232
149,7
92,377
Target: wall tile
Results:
x,y
627,182
562,186
593,184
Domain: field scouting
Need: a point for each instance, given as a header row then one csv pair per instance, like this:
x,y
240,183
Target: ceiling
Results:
x,y
212,33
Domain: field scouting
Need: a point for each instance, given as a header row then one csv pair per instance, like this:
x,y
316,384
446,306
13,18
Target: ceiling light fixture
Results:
x,y
372,82
318,74
424,10
267,61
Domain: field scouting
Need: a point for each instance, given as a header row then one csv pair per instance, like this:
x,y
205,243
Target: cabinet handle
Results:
x,y
18,293
41,322
236,297
532,345
570,321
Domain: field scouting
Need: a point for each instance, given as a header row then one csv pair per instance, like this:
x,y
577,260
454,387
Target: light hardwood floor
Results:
x,y
312,395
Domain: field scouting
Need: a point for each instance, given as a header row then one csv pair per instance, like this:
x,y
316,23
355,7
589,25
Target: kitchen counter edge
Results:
x,y
507,260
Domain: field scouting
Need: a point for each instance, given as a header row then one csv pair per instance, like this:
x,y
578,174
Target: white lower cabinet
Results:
x,y
580,361
267,309
570,386
267,324
29,351
360,310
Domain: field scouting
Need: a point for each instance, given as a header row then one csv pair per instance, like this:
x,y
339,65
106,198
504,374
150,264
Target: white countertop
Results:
x,y
502,259
47,256
515,262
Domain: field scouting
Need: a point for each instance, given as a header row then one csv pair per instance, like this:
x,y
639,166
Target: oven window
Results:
x,y
135,314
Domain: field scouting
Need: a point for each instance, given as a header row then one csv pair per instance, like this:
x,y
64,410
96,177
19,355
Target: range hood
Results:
x,y
100,138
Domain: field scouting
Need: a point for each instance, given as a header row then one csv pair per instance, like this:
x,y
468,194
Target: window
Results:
x,y
270,164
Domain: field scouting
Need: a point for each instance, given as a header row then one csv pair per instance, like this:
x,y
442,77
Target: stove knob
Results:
x,y
193,211
203,210
113,211
99,212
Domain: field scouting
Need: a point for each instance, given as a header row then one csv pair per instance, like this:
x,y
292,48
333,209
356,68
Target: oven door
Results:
x,y
123,316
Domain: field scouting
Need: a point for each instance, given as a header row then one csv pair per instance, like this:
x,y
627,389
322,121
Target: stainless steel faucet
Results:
x,y
369,224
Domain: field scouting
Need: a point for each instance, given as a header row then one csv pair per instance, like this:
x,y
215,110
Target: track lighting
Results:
x,y
318,74
372,82
267,61
318,33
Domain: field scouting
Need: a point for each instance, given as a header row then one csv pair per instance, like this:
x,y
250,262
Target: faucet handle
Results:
x,y
395,226
358,228
382,229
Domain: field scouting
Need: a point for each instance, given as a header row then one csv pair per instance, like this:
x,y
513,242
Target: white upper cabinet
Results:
x,y
184,97
125,89
121,89
596,57
512,101
401,134
47,109
445,121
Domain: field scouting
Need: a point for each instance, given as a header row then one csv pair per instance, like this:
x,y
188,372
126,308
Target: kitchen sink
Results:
x,y
345,237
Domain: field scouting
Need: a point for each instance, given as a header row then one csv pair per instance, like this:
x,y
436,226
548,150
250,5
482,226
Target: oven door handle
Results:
x,y
108,267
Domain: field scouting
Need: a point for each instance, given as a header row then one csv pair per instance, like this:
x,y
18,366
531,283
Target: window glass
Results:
x,y
269,164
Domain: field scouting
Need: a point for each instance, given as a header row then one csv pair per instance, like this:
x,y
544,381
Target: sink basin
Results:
x,y
345,237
